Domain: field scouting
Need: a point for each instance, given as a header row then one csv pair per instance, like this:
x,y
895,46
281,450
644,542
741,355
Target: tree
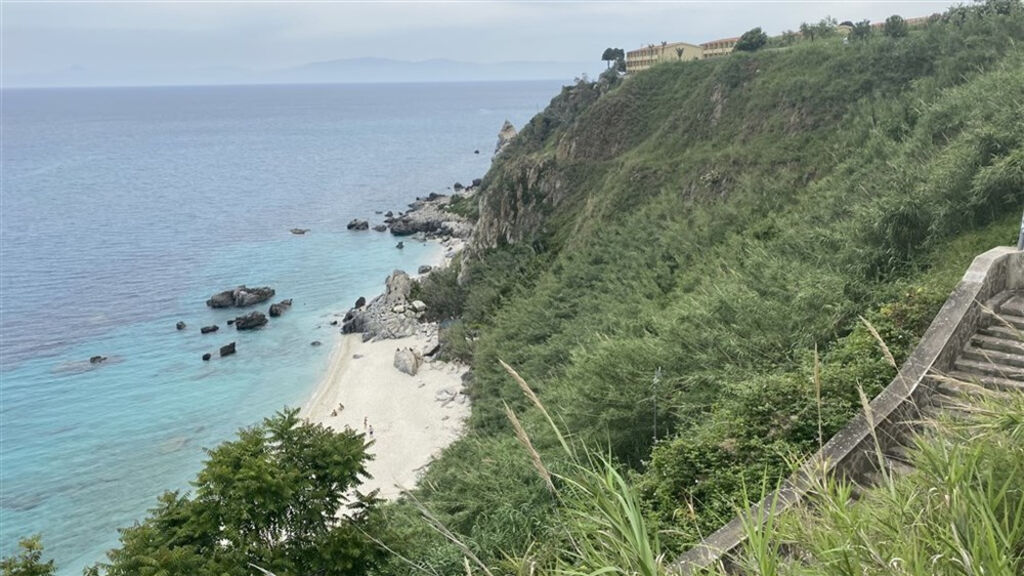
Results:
x,y
861,30
679,52
608,56
808,31
29,562
270,499
752,40
826,27
895,26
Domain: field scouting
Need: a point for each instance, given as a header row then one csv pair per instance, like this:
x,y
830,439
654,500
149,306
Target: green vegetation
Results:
x,y
895,26
960,512
675,250
752,40
29,562
266,500
694,233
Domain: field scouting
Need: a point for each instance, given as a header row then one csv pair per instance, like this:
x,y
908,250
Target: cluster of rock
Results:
x,y
389,315
240,297
505,136
429,216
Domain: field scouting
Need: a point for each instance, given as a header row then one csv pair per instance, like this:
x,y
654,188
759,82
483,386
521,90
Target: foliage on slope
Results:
x,y
673,253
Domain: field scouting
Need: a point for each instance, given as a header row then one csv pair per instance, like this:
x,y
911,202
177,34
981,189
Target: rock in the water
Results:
x,y
240,297
400,245
380,228
227,349
407,361
360,302
424,269
280,308
208,329
250,321
207,356
180,325
314,343
357,224
418,306
230,322
97,359
299,231
505,135
476,151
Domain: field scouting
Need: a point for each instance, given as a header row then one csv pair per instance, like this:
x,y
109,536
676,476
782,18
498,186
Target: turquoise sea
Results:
x,y
123,210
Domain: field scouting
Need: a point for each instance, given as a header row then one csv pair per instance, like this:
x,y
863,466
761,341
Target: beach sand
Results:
x,y
413,417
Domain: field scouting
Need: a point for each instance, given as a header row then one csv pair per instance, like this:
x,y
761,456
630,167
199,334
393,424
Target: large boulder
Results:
x,y
240,297
407,361
250,321
279,308
384,316
357,224
227,349
505,136
209,329
180,325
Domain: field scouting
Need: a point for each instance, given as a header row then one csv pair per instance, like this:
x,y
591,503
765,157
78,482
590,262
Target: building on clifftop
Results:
x,y
644,58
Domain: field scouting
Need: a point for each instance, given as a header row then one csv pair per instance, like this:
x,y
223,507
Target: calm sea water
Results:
x,y
124,209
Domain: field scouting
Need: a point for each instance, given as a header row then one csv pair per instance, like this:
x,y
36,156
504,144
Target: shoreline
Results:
x,y
407,420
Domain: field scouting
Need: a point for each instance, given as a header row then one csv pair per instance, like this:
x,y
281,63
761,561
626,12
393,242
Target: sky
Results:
x,y
132,42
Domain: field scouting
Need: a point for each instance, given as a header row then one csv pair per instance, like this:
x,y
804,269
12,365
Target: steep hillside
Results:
x,y
660,258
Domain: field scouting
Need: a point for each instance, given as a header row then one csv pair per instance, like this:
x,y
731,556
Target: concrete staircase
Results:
x,y
973,348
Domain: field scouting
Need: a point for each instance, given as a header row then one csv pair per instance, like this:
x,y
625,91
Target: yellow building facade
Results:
x,y
644,58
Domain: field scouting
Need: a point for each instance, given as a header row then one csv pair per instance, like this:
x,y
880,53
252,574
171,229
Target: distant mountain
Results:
x,y
350,70
437,70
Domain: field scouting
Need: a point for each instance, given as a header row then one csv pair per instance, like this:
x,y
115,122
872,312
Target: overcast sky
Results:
x,y
158,42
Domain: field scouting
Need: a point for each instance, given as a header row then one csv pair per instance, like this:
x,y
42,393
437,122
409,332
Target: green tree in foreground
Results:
x,y
752,40
895,26
29,562
270,499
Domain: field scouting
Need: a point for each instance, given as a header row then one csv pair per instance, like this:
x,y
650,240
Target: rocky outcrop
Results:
x,y
357,224
505,136
180,325
389,315
207,356
97,359
279,308
430,216
209,329
240,297
380,228
227,349
424,269
407,361
250,321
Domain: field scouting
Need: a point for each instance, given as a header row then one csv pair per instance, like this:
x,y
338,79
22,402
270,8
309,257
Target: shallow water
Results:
x,y
125,209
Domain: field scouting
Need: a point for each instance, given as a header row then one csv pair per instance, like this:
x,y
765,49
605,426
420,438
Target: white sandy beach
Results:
x,y
413,417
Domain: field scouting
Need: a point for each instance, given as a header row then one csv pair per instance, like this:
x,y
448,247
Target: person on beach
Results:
x,y
364,422
371,431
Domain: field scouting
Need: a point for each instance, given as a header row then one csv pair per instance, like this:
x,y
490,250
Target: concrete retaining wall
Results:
x,y
851,452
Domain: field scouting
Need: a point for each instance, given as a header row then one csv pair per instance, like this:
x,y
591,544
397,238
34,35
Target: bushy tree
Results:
x,y
895,26
616,55
752,40
29,562
270,499
861,30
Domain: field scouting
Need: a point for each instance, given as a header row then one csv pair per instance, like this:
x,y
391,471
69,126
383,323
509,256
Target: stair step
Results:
x,y
898,467
1005,319
955,391
1013,305
989,368
1002,332
997,344
993,356
989,381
